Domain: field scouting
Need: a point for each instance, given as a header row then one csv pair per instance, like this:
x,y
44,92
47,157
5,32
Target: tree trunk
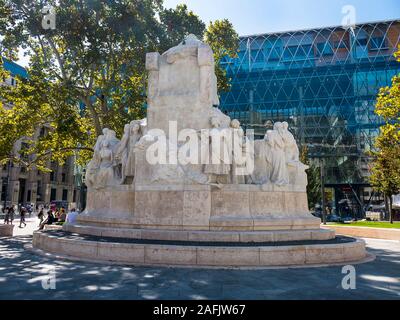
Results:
x,y
387,212
95,116
390,209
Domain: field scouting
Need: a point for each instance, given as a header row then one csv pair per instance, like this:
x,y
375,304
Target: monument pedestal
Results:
x,y
173,212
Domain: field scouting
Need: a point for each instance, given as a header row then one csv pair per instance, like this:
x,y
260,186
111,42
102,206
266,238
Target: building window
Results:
x,y
257,56
342,44
74,196
39,191
63,177
53,194
324,49
377,43
274,54
52,176
65,195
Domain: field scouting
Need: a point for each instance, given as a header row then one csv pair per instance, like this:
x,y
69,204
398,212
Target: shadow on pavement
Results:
x,y
22,273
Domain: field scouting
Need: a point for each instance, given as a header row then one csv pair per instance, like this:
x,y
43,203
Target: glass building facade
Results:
x,y
324,83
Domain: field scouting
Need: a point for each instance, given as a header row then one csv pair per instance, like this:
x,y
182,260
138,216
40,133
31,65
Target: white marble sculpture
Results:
x,y
126,149
291,148
183,89
102,171
277,158
219,168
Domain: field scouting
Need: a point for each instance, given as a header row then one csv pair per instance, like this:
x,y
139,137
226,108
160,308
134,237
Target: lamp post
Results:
x,y
322,170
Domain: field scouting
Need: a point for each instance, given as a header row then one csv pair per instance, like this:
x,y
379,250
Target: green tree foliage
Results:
x,y
385,175
224,41
95,56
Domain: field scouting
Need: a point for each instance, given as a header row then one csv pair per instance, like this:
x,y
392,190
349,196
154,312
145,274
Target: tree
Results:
x,y
313,178
385,172
95,59
224,41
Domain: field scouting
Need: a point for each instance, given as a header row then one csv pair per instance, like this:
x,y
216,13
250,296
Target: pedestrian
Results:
x,y
49,220
62,215
22,213
6,215
71,217
41,216
11,213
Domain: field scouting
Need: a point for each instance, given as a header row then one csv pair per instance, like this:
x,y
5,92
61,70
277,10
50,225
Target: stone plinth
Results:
x,y
6,230
201,207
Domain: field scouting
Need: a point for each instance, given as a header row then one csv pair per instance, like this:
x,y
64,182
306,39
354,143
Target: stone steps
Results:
x,y
198,255
205,236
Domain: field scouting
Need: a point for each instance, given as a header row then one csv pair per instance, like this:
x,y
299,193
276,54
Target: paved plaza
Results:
x,y
22,273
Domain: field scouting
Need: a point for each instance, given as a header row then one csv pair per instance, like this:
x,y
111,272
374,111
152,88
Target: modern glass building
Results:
x,y
324,82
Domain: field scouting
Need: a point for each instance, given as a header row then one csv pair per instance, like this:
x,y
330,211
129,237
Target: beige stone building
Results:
x,y
20,186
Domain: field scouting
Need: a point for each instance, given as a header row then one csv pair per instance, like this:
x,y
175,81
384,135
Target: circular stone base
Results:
x,y
202,236
200,254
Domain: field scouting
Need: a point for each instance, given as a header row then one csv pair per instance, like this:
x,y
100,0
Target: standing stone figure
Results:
x,y
238,153
262,163
126,149
291,148
93,166
279,170
219,167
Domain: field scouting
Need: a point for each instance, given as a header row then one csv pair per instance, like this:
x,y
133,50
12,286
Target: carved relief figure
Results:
x,y
277,160
107,175
291,149
219,167
238,146
262,162
126,149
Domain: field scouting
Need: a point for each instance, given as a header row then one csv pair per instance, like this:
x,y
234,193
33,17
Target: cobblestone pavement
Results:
x,y
23,273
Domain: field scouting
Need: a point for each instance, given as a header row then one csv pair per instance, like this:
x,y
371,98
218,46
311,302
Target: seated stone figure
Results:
x,y
102,170
262,163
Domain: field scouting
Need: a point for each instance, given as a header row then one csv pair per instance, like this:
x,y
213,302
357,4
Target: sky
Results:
x,y
263,16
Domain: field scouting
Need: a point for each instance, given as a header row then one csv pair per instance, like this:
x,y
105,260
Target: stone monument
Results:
x,y
187,186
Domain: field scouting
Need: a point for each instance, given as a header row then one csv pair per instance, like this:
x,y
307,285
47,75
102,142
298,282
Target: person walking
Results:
x,y
23,212
11,214
41,216
6,215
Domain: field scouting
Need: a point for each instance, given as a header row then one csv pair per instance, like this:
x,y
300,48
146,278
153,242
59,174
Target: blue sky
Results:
x,y
261,16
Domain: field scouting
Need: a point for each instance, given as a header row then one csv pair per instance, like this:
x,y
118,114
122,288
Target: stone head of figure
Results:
x,y
278,126
285,125
235,124
105,131
215,122
110,134
135,126
126,128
